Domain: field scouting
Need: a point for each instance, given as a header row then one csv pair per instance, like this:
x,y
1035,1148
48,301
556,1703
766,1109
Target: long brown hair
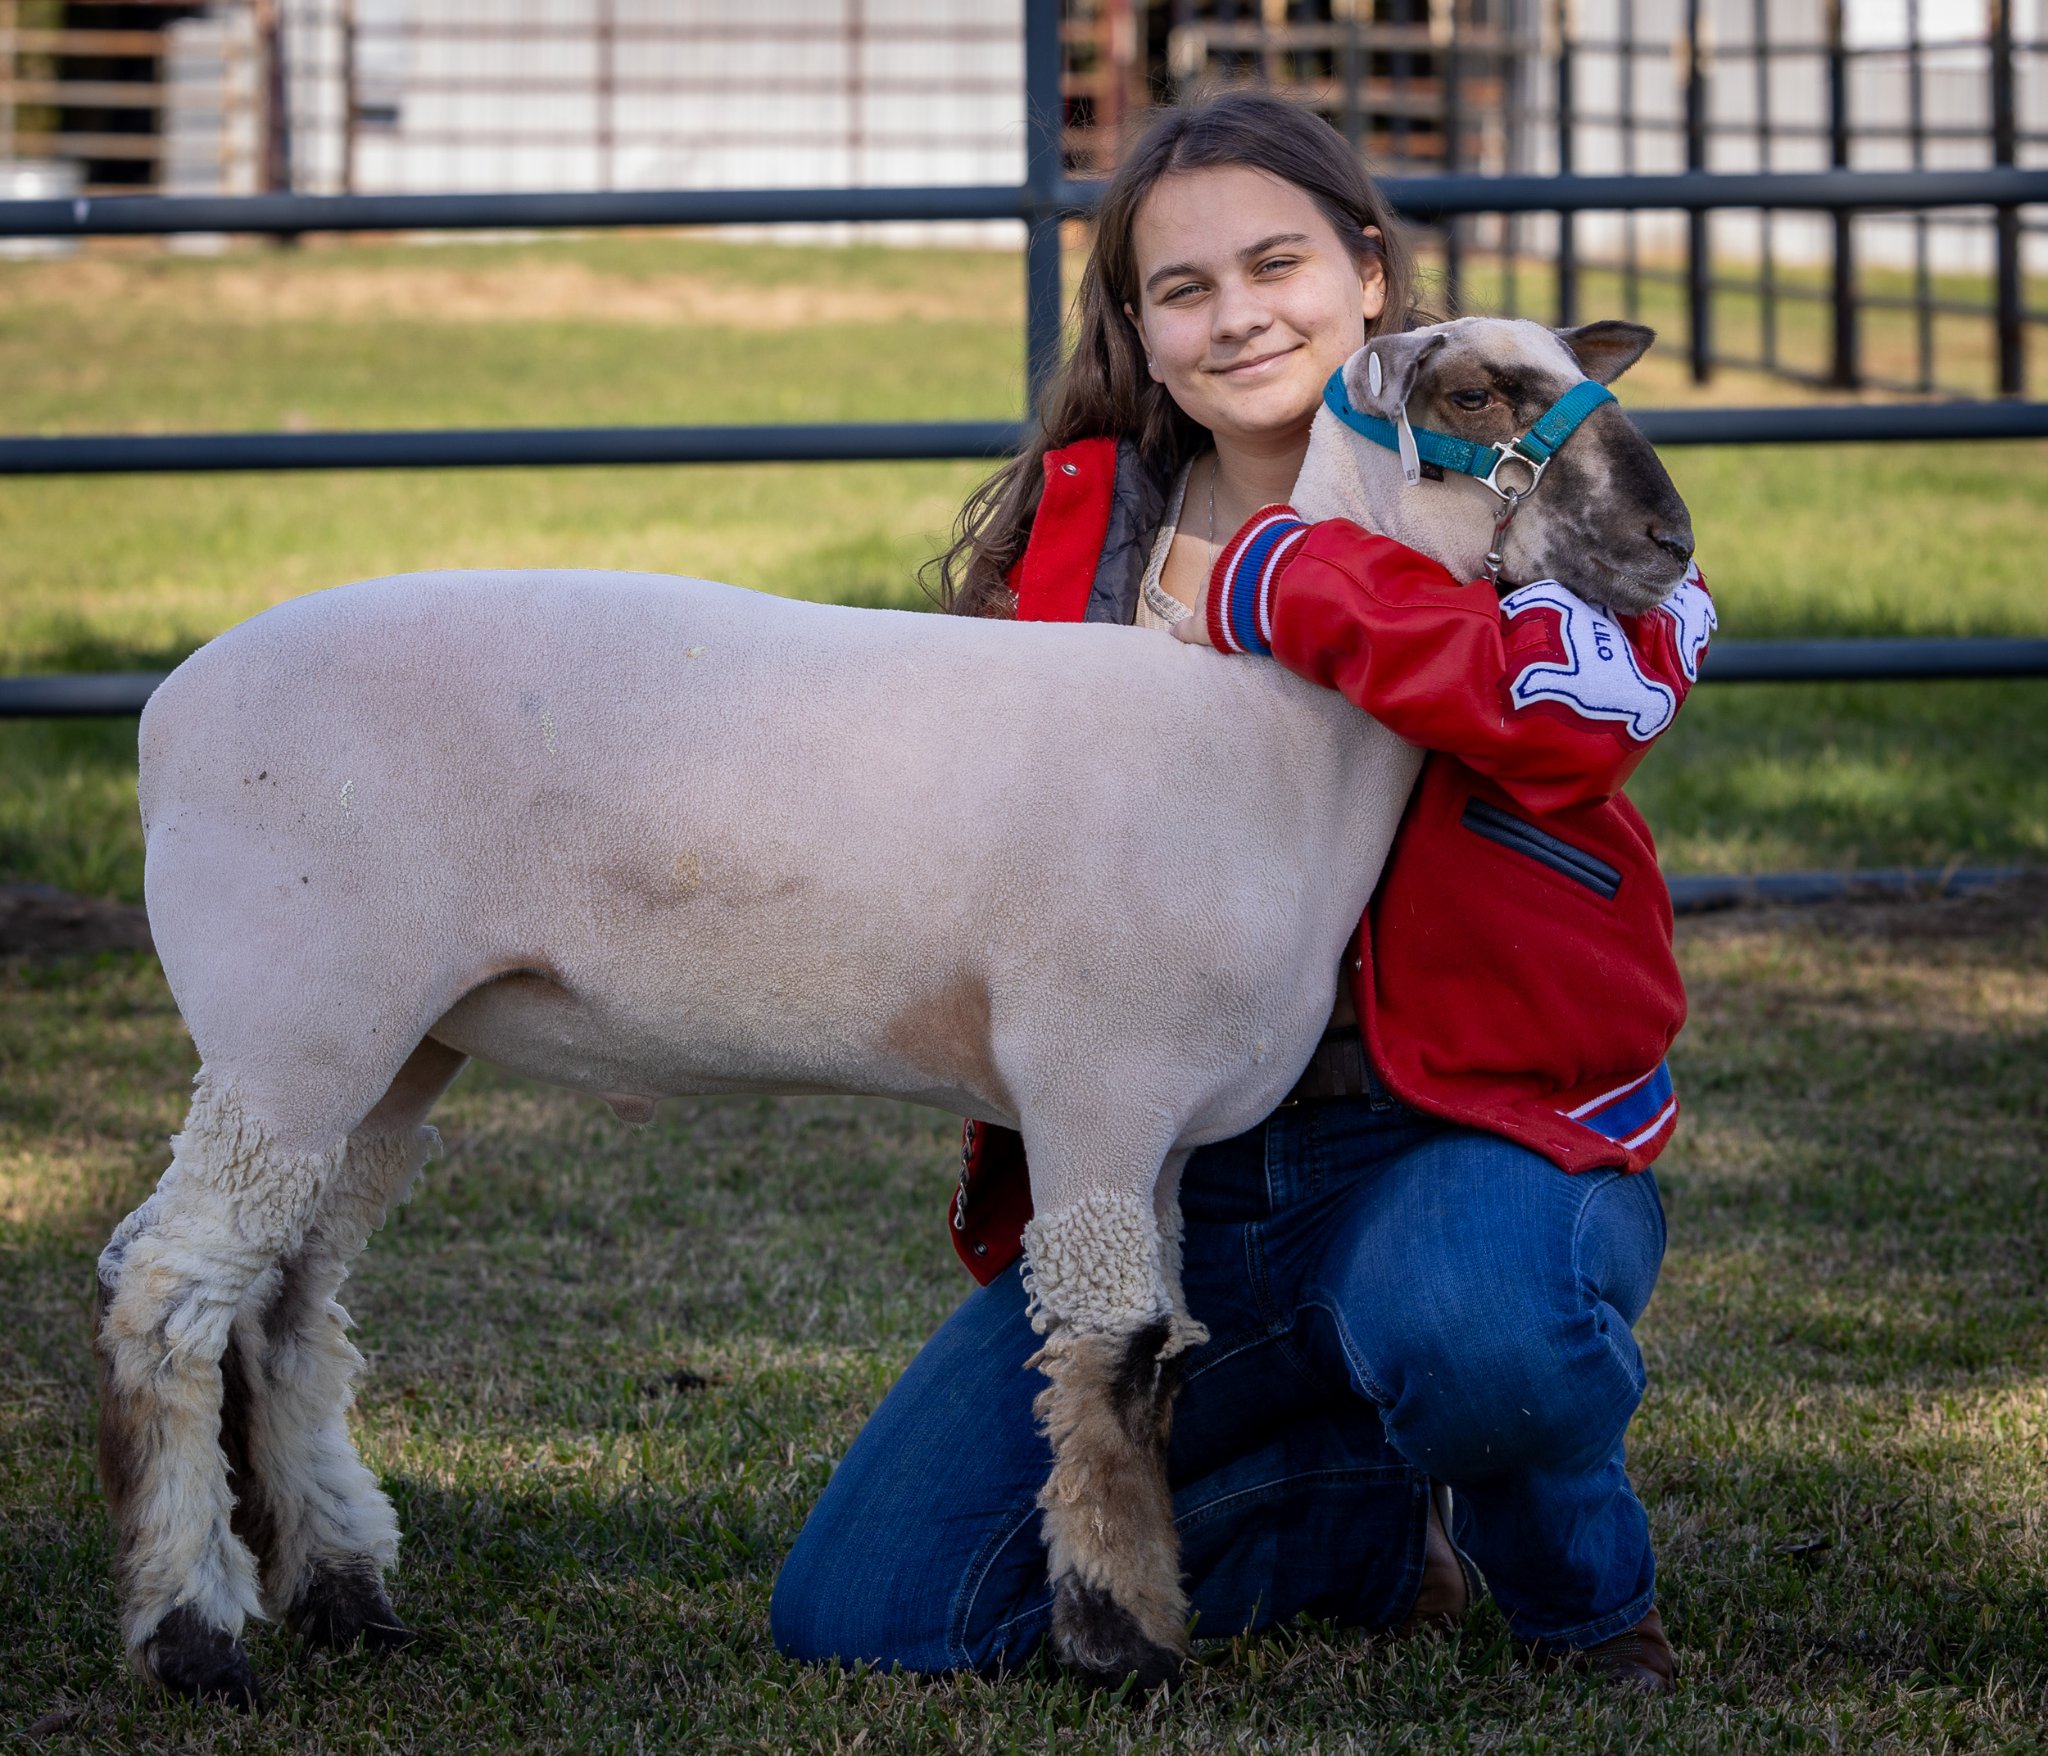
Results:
x,y
1103,387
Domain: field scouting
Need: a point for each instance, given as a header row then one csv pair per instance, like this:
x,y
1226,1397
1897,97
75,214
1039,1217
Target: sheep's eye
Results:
x,y
1473,400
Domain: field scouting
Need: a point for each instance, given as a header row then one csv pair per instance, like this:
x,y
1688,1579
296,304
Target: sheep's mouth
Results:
x,y
1626,593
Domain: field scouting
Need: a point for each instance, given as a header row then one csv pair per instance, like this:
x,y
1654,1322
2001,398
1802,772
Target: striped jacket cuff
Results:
x,y
1241,586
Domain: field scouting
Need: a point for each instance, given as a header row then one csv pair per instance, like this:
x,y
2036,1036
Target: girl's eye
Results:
x,y
1276,262
1471,399
1184,287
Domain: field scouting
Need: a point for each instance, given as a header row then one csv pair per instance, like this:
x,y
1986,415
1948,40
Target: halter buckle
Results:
x,y
1512,453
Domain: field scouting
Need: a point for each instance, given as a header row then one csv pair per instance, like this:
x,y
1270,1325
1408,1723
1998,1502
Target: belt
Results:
x,y
1338,1069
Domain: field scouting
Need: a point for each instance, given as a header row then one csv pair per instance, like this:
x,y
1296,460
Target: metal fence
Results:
x,y
1041,202
1517,86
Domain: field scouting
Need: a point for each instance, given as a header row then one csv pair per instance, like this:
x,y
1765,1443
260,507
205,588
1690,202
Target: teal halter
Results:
x,y
1532,450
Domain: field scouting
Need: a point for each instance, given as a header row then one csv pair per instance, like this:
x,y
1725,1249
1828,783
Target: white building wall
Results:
x,y
714,94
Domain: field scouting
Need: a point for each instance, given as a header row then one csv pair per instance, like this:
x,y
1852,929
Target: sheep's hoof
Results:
x,y
1101,1642
342,1605
199,1662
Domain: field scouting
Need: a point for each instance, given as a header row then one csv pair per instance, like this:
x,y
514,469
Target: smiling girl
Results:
x,y
1409,1288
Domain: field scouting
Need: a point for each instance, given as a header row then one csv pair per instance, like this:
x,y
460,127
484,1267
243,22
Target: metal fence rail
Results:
x,y
116,694
1044,198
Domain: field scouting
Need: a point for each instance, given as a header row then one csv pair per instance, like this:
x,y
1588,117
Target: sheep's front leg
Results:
x,y
1104,1278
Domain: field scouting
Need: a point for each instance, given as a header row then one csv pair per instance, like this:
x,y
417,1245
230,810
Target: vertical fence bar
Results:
x,y
1506,67
607,28
1351,71
2012,365
1452,113
856,95
1631,260
1044,115
1916,131
351,103
1844,366
10,71
276,172
1567,230
1698,261
1767,251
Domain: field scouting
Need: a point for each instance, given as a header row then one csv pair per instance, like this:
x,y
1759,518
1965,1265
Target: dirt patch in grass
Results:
x,y
2001,911
40,921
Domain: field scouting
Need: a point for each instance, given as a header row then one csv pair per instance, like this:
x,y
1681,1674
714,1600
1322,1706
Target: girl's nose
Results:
x,y
1240,309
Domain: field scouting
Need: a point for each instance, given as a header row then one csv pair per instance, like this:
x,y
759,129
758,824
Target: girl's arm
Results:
x,y
1551,697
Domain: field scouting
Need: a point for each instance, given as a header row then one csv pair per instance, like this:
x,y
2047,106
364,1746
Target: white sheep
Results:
x,y
644,836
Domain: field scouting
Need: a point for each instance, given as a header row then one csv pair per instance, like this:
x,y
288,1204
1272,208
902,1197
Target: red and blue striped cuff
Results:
x,y
1241,586
1634,1114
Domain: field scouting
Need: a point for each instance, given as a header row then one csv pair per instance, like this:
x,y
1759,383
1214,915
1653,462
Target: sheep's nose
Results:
x,y
1675,539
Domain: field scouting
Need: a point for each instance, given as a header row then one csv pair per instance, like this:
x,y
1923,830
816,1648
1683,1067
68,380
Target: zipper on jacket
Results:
x,y
1523,837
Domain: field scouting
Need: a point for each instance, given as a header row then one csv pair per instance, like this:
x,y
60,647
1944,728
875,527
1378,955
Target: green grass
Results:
x,y
1844,1450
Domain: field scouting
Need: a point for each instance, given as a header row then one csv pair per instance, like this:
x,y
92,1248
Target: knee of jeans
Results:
x,y
1550,1389
800,1613
824,1612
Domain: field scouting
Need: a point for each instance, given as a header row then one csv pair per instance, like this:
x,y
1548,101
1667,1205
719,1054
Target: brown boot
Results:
x,y
1640,1658
1449,1585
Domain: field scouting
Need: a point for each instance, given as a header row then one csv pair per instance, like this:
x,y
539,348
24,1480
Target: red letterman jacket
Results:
x,y
1514,969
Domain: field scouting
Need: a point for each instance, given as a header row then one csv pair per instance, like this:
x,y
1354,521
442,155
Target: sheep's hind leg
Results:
x,y
232,1207
1105,1289
324,1532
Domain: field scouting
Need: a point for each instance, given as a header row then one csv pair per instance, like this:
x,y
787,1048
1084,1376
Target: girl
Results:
x,y
1421,1271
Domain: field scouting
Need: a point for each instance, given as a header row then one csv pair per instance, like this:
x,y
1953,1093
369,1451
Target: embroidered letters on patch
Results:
x,y
1599,678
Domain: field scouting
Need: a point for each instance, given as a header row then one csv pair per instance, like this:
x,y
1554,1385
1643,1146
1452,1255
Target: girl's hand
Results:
x,y
1193,628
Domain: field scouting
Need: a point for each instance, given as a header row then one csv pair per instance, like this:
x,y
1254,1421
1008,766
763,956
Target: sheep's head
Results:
x,y
1605,519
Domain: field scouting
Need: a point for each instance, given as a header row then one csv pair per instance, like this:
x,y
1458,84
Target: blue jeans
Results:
x,y
1390,1299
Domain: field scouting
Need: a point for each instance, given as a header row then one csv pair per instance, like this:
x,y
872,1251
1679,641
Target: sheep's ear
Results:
x,y
1607,349
1381,376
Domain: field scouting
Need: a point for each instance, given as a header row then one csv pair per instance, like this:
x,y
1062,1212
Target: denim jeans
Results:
x,y
1389,1299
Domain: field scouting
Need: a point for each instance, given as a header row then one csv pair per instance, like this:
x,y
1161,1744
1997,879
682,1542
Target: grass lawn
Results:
x,y
1844,1450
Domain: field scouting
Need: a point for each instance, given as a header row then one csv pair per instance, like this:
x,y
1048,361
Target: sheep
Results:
x,y
645,836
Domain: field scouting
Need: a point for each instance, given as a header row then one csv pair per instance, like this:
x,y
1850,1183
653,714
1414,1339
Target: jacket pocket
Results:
x,y
1524,837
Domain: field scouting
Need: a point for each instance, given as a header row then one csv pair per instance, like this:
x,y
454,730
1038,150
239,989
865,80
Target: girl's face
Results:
x,y
1247,300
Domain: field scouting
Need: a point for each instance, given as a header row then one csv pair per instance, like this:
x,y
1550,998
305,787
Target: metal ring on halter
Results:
x,y
1508,454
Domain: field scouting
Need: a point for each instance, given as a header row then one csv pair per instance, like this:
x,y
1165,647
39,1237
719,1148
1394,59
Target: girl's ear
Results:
x,y
1151,365
1372,280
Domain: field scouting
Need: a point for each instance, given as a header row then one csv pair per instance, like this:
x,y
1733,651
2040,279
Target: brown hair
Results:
x,y
1103,387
